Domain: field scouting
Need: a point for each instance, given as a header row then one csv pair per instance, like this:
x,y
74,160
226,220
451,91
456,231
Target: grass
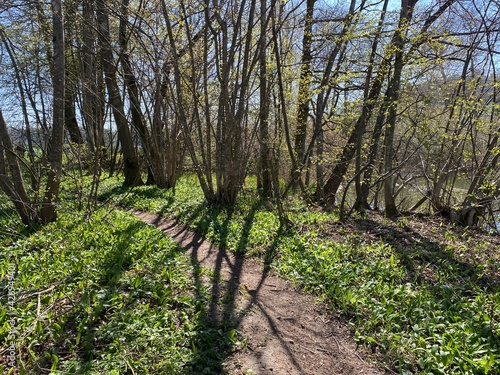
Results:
x,y
425,301
104,294
11,227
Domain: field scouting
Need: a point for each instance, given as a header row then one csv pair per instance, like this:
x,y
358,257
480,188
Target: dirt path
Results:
x,y
286,331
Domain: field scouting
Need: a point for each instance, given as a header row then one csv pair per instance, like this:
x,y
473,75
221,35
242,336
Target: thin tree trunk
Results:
x,y
133,93
370,102
180,109
324,95
363,187
93,90
333,183
70,120
264,174
131,169
14,187
35,178
393,99
48,210
304,95
364,190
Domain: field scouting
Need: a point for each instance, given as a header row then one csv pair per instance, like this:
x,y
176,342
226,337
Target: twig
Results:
x,y
309,350
37,293
330,354
128,365
38,305
357,355
337,341
319,348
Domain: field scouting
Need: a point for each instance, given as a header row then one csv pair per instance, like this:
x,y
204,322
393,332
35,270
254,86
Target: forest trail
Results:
x,y
284,331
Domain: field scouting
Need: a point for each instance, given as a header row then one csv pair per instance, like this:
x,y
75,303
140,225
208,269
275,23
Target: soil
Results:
x,y
282,330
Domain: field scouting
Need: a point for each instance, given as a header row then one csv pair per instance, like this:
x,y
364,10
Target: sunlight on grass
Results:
x,y
105,295
418,305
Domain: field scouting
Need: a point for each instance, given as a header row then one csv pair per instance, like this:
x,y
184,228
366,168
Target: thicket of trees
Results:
x,y
376,98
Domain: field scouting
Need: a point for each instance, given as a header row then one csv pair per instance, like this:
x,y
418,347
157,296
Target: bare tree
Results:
x,y
394,54
225,122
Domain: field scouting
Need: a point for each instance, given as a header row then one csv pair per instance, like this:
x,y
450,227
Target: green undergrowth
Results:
x,y
415,301
105,294
11,227
250,227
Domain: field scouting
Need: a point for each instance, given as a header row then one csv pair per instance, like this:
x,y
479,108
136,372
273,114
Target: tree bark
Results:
x,y
338,53
93,91
14,187
35,178
363,187
179,105
393,99
48,209
134,98
70,121
131,169
264,175
304,96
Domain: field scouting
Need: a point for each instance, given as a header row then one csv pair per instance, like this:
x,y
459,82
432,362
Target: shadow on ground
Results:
x,y
231,298
289,334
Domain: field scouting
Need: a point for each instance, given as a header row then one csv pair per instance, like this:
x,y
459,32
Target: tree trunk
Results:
x,y
48,210
363,190
133,94
14,187
393,99
333,183
304,96
93,91
131,169
70,120
35,178
179,105
370,102
264,175
363,186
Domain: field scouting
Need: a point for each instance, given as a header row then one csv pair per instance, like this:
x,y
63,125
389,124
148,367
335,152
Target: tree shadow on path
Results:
x,y
247,299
